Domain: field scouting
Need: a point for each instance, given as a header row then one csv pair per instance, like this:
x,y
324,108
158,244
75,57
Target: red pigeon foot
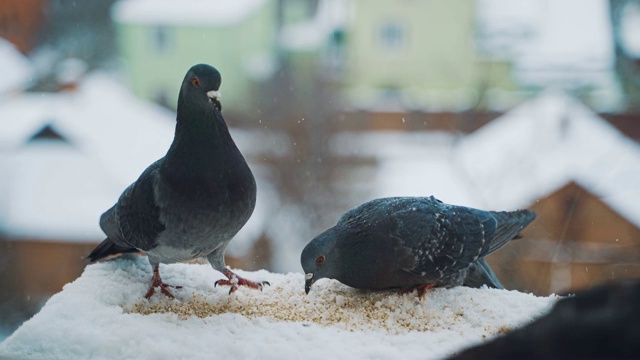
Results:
x,y
422,290
156,281
234,281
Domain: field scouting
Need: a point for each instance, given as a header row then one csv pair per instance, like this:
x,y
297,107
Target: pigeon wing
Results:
x,y
442,239
135,220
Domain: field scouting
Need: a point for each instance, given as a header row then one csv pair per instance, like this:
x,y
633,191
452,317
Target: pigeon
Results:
x,y
190,203
480,274
409,243
601,322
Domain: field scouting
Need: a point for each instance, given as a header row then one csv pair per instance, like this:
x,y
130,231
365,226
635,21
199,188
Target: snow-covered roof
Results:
x,y
15,68
547,49
585,41
544,144
102,118
57,189
409,164
536,33
105,306
516,159
185,12
630,29
53,191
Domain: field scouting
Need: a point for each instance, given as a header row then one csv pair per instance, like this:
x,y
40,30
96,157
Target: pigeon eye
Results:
x,y
195,82
320,260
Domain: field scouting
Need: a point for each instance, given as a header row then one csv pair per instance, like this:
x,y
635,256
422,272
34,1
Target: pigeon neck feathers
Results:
x,y
203,154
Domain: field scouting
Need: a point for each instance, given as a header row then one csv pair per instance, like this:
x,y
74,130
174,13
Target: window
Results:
x,y
392,36
161,39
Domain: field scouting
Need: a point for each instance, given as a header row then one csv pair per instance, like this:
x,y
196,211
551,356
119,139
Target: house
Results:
x,y
580,174
413,57
456,65
61,166
160,40
551,154
20,22
545,50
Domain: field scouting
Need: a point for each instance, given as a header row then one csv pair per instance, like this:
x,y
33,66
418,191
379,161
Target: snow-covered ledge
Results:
x,y
103,315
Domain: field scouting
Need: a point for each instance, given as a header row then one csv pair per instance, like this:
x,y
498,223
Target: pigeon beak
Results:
x,y
213,95
308,281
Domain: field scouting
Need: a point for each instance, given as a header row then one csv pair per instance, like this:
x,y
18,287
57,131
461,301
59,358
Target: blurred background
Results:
x,y
496,104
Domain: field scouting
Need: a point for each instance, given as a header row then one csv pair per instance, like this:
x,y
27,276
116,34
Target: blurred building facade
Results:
x,y
21,22
159,46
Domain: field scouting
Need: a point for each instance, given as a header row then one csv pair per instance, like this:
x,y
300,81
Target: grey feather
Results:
x,y
191,202
407,242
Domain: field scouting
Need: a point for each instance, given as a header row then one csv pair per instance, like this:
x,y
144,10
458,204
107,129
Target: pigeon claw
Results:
x,y
163,289
235,281
156,281
422,290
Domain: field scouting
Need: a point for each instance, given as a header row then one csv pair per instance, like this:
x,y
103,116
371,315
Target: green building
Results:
x,y
417,55
160,40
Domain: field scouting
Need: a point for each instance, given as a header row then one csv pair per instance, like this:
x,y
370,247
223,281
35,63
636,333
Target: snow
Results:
x,y
16,69
53,190
536,33
103,315
630,29
516,159
546,50
58,189
544,144
585,41
188,12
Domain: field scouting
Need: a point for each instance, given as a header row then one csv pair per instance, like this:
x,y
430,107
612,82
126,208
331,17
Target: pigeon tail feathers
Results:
x,y
109,248
510,223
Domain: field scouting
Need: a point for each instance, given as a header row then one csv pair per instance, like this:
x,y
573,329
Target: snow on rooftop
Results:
x,y
504,26
57,189
518,158
50,189
536,33
186,12
411,164
562,43
101,118
630,29
544,144
103,315
585,41
15,69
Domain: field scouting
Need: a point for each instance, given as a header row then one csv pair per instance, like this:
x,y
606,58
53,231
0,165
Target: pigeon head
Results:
x,y
201,86
319,258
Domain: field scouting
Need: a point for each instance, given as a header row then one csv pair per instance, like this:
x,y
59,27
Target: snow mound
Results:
x,y
103,315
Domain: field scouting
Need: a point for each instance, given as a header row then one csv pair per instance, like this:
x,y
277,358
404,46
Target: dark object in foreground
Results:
x,y
191,202
409,243
603,322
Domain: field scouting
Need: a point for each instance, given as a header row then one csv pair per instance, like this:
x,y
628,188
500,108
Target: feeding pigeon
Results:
x,y
408,243
480,274
191,202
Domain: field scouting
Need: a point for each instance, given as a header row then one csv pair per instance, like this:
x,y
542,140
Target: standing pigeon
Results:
x,y
408,243
191,202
